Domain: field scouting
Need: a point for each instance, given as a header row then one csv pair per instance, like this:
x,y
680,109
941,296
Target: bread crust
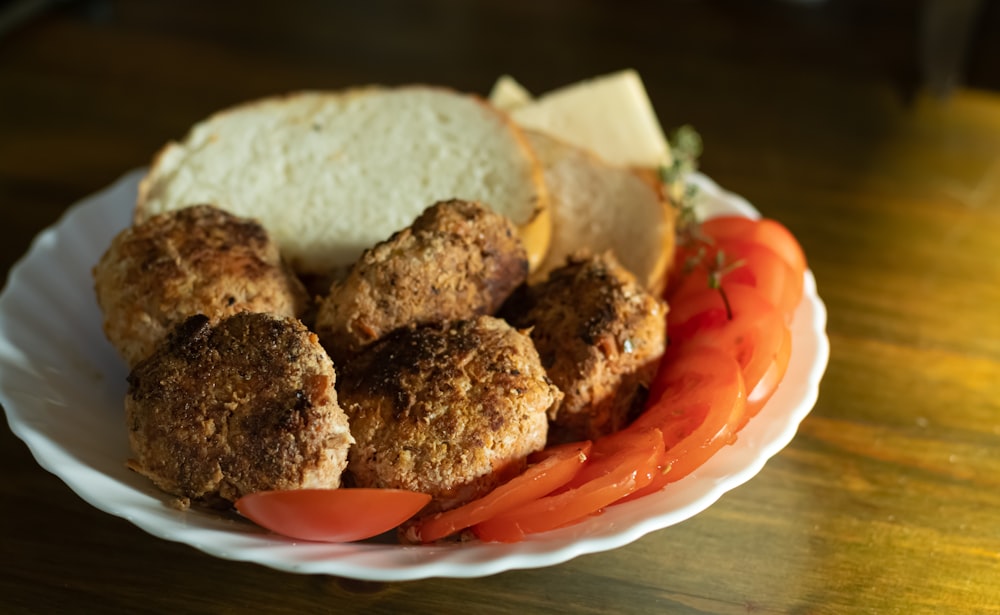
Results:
x,y
598,207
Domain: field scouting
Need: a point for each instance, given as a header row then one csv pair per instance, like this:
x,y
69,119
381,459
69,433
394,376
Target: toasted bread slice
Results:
x,y
332,173
598,207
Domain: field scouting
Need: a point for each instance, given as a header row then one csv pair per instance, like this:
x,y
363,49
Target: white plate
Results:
x,y
62,386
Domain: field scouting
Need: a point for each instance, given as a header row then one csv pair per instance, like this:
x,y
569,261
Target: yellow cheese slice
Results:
x,y
610,115
507,94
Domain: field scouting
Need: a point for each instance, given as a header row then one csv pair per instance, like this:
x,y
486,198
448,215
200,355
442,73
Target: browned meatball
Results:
x,y
600,336
198,260
457,260
450,409
220,411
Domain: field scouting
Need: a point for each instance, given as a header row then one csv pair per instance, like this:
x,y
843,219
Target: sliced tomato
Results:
x,y
700,407
627,470
608,450
738,321
331,515
690,382
766,231
738,261
555,468
686,260
584,446
775,373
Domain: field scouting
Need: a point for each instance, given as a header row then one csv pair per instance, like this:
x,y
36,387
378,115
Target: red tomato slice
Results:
x,y
691,382
584,446
608,450
766,231
750,263
631,469
700,407
558,465
686,260
772,378
331,515
750,330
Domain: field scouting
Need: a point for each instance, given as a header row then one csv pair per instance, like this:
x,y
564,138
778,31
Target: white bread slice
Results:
x,y
610,115
332,173
598,207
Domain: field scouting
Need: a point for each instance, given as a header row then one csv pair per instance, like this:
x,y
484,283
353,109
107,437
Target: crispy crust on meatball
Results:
x,y
457,260
600,336
450,409
249,404
197,260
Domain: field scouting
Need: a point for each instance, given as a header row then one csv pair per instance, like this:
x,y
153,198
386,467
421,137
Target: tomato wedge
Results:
x,y
331,515
766,231
628,469
750,329
558,465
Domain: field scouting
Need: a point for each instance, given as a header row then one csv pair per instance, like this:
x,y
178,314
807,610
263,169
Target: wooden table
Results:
x,y
887,500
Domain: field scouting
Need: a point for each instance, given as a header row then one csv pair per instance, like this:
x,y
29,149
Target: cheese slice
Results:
x,y
507,94
610,115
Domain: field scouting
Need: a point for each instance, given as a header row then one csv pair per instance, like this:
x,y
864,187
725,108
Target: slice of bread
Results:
x,y
332,173
598,206
610,115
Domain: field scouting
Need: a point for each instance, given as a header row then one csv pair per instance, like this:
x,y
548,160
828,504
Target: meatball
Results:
x,y
458,259
248,404
600,336
198,260
451,409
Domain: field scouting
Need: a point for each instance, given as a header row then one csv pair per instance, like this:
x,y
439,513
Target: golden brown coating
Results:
x,y
457,260
600,336
249,404
197,260
450,409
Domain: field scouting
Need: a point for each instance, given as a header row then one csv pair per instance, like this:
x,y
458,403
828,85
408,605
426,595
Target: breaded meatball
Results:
x,y
600,336
450,409
198,260
249,404
457,260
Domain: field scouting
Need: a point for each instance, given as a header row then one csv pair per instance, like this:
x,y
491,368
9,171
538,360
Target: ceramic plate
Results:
x,y
62,387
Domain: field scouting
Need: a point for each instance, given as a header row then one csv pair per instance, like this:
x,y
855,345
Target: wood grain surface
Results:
x,y
888,499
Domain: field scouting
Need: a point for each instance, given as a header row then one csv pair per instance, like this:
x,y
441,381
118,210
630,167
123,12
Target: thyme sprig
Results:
x,y
686,148
716,272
